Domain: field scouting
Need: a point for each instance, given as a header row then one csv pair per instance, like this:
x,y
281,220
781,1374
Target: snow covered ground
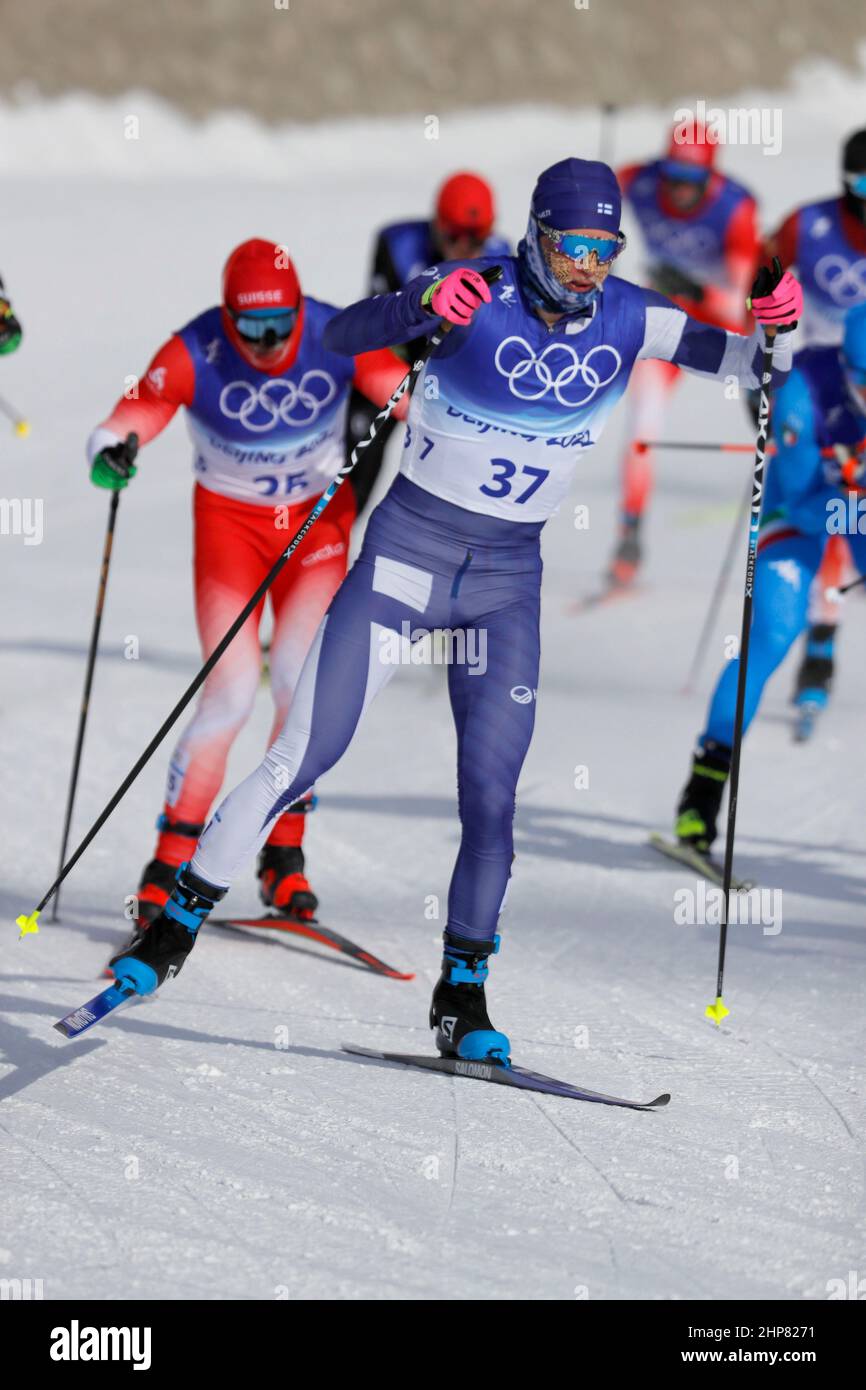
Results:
x,y
215,1143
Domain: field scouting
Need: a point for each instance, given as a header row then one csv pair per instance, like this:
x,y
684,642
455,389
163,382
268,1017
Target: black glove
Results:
x,y
668,280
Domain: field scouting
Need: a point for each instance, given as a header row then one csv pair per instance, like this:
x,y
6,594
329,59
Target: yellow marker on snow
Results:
x,y
28,925
717,1011
22,428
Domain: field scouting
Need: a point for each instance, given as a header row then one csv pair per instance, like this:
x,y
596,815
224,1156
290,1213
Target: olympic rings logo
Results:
x,y
692,243
530,377
844,281
278,401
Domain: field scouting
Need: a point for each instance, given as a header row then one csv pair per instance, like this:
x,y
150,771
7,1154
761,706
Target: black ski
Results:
x,y
500,1075
315,931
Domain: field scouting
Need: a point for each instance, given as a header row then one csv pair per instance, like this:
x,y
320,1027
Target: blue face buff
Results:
x,y
856,184
540,283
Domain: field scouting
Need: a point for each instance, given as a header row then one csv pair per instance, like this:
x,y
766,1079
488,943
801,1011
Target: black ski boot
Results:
x,y
283,885
627,557
155,885
701,801
158,950
458,1010
815,676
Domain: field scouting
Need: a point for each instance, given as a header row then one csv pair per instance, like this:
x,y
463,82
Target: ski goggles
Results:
x,y
473,236
271,325
579,247
856,184
684,173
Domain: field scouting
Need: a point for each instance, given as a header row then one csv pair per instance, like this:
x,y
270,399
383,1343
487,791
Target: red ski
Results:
x,y
315,931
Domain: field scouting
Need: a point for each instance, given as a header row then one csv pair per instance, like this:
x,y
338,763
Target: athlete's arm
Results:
x,y
672,335
725,303
382,321
168,383
377,376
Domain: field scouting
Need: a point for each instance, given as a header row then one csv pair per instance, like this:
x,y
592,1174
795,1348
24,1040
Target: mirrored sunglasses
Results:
x,y
579,248
257,324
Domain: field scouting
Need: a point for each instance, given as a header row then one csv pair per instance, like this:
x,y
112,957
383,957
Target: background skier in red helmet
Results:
x,y
266,408
700,236
461,228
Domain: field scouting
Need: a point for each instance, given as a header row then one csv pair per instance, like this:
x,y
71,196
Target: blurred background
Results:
x,y
304,60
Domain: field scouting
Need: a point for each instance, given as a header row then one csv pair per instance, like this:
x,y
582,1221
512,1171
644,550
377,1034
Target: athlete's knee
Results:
x,y
487,813
771,641
224,709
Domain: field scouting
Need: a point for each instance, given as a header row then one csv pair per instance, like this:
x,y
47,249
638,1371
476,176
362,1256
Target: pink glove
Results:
x,y
776,299
457,296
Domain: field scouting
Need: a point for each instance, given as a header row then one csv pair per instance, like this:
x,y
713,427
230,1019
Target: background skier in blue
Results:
x,y
519,389
461,228
819,423
824,242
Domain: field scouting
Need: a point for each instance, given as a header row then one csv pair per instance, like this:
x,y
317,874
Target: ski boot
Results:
x,y
701,801
814,678
458,1010
283,885
159,948
627,556
176,845
157,881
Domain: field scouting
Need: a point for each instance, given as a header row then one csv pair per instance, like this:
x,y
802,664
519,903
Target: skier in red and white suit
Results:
x,y
700,235
266,410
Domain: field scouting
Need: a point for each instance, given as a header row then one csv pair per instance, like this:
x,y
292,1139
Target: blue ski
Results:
x,y
501,1075
84,1017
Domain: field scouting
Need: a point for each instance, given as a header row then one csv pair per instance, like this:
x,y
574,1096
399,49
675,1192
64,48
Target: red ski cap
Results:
x,y
260,275
465,205
690,155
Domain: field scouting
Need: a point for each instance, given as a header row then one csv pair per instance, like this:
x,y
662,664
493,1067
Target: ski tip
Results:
x,y
663,1099
717,1011
387,970
27,926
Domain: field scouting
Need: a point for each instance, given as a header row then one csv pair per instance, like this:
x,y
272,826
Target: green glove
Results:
x,y
10,329
113,467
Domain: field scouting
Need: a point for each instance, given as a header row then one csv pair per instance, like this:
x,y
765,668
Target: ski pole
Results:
x,y
717,1010
19,424
88,683
606,131
703,446
832,594
718,591
30,923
